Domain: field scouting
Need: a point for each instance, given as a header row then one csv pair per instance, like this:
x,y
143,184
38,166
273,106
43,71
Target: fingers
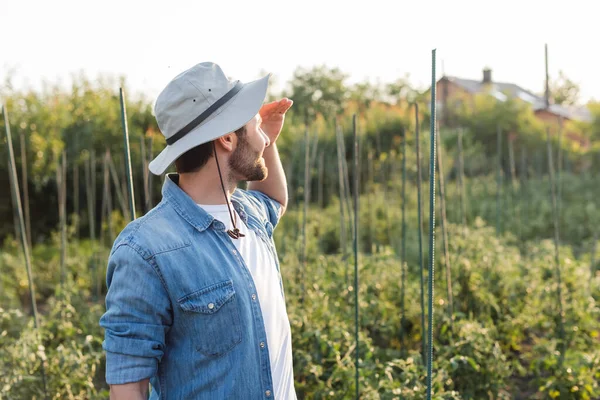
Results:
x,y
284,105
277,107
270,106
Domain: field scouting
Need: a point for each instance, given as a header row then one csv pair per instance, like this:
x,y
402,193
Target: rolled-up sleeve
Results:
x,y
269,206
137,318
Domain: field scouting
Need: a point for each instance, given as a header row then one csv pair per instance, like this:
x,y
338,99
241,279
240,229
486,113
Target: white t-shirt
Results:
x,y
264,272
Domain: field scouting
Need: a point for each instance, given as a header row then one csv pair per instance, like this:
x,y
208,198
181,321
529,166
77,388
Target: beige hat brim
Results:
x,y
229,118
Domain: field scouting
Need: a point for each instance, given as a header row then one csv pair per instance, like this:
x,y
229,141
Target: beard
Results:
x,y
246,163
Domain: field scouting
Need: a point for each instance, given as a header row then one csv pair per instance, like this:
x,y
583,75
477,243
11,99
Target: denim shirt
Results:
x,y
181,304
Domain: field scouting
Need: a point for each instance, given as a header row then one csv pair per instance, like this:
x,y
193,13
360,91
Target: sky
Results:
x,y
150,42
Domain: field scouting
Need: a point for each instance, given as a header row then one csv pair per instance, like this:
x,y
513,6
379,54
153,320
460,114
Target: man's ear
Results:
x,y
227,142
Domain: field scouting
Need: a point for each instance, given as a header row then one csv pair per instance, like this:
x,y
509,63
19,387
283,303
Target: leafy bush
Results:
x,y
69,346
502,341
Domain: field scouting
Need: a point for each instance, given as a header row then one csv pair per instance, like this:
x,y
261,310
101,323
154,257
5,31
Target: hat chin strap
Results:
x,y
235,233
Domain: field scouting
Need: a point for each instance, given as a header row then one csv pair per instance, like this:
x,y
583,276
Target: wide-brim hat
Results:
x,y
201,104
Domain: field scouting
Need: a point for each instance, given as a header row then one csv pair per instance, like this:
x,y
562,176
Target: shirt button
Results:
x,y
211,306
253,297
234,252
268,393
262,345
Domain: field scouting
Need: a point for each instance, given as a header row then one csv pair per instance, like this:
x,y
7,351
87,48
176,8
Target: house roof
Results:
x,y
501,90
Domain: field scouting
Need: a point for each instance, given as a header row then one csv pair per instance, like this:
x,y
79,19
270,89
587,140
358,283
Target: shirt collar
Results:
x,y
189,210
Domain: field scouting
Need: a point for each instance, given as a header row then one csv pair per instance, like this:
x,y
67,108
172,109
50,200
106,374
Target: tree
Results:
x,y
594,107
318,91
364,94
83,118
486,114
563,90
399,90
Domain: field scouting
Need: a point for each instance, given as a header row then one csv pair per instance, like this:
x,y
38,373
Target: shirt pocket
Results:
x,y
212,316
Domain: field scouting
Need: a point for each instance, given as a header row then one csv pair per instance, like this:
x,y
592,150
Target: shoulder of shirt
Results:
x,y
158,231
249,198
253,196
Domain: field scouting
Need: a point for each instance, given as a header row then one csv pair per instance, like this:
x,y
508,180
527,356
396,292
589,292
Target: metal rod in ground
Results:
x,y
444,223
356,306
420,222
432,157
16,226
23,234
127,155
403,253
498,178
13,203
25,188
561,322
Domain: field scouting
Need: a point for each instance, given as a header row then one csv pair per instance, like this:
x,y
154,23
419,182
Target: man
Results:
x,y
195,302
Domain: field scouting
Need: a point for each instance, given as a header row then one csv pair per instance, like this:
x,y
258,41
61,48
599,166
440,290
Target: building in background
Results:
x,y
456,92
